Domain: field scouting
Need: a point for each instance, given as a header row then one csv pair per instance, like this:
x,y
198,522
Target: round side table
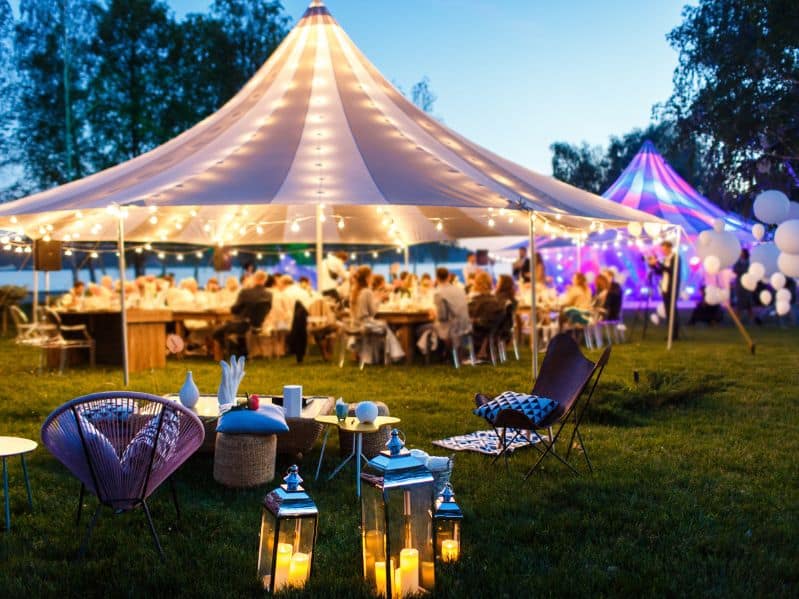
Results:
x,y
10,447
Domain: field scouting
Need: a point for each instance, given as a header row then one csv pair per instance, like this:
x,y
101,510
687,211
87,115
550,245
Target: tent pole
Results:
x,y
122,311
579,256
674,290
35,315
319,246
407,256
533,315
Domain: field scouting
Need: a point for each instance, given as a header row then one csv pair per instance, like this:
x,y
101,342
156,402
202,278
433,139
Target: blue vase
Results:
x,y
189,393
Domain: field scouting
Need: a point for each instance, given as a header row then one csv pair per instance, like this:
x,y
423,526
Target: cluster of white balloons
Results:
x,y
773,261
718,249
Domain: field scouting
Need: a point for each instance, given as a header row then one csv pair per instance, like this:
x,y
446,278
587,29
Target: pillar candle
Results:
x,y
428,576
380,577
409,565
298,569
281,573
450,550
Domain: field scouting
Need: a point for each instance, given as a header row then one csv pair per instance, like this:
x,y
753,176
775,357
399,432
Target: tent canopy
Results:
x,y
650,184
316,125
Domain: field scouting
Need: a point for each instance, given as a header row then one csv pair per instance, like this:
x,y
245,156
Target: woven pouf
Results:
x,y
244,460
373,443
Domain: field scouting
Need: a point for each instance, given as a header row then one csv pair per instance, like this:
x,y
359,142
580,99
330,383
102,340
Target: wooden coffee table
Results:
x,y
10,447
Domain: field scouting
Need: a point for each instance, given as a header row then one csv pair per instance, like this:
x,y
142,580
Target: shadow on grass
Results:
x,y
616,403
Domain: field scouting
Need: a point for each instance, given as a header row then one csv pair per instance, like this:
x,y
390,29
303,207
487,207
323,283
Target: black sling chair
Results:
x,y
566,375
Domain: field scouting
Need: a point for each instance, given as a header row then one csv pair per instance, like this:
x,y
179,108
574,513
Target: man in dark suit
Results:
x,y
251,307
669,281
521,266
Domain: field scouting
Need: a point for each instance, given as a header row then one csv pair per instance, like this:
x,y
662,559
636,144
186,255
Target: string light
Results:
x,y
439,226
153,220
295,227
161,255
340,223
199,254
94,255
180,257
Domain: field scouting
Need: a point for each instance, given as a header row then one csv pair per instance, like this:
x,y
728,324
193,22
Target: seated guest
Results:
x,y
227,296
704,312
97,298
504,291
74,297
613,297
451,307
250,309
107,285
212,285
182,297
364,304
305,285
601,285
425,293
484,310
576,301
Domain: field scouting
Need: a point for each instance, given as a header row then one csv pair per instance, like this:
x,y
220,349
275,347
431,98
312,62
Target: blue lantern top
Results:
x,y
397,467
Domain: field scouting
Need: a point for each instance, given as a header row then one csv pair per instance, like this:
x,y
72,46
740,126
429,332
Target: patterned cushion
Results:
x,y
142,443
534,407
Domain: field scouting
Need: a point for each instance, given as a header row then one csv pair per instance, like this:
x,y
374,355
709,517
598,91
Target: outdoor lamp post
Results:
x,y
397,523
288,535
447,526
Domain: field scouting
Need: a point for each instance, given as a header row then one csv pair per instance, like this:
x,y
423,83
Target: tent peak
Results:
x,y
648,146
316,8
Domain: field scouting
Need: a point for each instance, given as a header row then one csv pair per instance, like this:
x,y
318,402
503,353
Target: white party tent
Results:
x,y
317,145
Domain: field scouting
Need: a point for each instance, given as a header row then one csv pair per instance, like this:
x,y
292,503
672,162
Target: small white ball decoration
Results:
x,y
783,295
783,308
366,411
772,207
712,265
758,231
765,297
757,270
749,281
654,318
787,237
777,280
712,295
635,229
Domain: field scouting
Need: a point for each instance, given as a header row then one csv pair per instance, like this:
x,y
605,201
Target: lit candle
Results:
x,y
428,576
298,569
282,565
380,577
409,566
449,550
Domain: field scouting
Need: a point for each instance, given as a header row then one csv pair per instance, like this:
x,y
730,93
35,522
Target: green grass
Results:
x,y
695,491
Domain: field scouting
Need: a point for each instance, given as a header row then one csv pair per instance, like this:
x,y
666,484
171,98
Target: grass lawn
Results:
x,y
695,490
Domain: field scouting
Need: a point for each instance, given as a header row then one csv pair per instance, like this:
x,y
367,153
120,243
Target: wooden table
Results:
x,y
351,425
10,447
146,335
404,323
211,316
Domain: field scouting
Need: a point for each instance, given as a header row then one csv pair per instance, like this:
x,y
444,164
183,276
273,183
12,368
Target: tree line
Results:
x,y
731,126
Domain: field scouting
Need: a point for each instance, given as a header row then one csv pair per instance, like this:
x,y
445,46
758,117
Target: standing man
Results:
x,y
521,267
669,281
333,274
471,267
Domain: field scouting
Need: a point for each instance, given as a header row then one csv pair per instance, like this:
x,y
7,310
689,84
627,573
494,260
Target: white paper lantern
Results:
x,y
758,231
366,411
787,237
777,280
766,254
765,297
634,229
782,308
718,225
712,295
652,229
661,310
772,207
725,246
712,265
783,295
654,318
788,264
757,270
749,281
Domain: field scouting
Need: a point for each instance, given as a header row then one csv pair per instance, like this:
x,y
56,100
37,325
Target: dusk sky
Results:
x,y
516,75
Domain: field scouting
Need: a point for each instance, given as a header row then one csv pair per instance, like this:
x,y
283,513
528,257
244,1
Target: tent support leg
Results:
x,y
533,315
319,246
122,311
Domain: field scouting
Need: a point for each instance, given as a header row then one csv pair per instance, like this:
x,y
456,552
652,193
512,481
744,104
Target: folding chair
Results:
x,y
566,375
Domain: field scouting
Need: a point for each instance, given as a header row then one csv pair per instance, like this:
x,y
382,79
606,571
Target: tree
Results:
x,y
582,166
254,28
423,97
737,88
133,89
53,67
8,100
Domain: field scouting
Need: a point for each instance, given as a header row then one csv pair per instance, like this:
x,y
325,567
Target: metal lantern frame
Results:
x,y
409,564
288,506
447,520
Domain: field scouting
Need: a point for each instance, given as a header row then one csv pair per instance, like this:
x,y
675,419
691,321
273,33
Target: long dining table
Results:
x,y
404,324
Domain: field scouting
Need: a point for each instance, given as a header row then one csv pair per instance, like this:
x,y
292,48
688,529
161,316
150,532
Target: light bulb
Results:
x,y
234,253
94,255
439,226
322,218
282,256
199,254
374,254
341,223
259,256
491,222
153,220
161,255
307,254
180,257
353,256
207,228
138,250
295,227
259,229
67,252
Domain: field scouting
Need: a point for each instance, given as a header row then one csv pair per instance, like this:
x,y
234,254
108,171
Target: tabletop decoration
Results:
x,y
232,374
189,393
398,556
366,411
289,521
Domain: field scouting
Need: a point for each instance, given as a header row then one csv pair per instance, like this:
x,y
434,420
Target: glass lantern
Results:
x,y
288,535
447,526
397,523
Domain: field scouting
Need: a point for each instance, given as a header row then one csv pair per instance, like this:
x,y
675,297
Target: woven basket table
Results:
x,y
304,432
242,461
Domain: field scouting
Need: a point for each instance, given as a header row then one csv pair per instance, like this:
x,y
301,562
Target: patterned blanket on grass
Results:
x,y
485,442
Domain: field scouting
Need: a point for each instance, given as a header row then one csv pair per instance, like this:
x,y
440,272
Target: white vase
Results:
x,y
189,393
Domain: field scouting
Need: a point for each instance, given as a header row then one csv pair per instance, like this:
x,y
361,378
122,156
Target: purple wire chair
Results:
x,y
122,445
